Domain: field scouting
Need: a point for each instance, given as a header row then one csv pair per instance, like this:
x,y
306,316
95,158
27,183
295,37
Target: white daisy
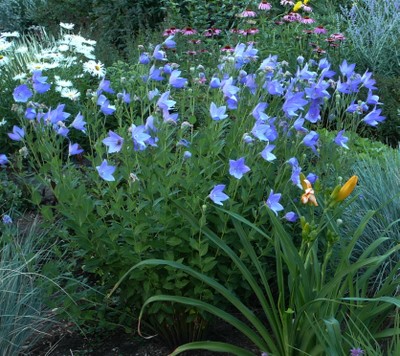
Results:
x,y
5,45
63,47
20,76
9,34
4,60
70,93
67,26
95,69
22,50
63,83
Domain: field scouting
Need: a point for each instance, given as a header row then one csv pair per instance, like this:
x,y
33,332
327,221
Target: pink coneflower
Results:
x,y
338,37
252,31
211,32
264,5
191,53
278,23
227,49
320,30
194,41
307,20
308,32
171,31
319,50
292,17
306,8
203,51
242,32
248,13
187,31
286,2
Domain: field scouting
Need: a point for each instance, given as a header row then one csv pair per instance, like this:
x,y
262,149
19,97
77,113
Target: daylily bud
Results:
x,y
347,188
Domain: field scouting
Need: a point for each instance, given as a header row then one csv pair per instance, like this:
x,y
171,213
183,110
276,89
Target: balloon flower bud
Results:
x,y
347,188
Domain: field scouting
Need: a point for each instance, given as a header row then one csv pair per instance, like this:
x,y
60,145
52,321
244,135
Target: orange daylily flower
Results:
x,y
347,188
308,196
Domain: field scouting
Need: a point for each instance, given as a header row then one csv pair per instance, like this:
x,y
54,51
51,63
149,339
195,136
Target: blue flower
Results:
x,y
155,74
39,82
176,81
17,134
74,149
126,97
105,106
238,168
356,352
105,85
341,140
169,42
215,83
3,159
139,137
311,140
144,58
217,113
374,118
296,170
273,202
291,216
30,113
79,123
187,155
106,171
164,103
216,194
22,93
347,69
311,177
293,103
266,153
258,112
158,54
114,142
7,219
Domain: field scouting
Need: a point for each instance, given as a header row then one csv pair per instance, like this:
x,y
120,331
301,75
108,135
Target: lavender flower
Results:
x,y
266,153
341,140
17,134
164,102
356,352
22,93
238,168
176,81
74,149
79,123
291,216
106,171
293,103
311,140
273,202
217,196
373,118
7,219
217,113
139,137
3,159
113,142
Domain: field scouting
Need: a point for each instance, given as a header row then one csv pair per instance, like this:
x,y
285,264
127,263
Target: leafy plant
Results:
x,y
24,317
318,310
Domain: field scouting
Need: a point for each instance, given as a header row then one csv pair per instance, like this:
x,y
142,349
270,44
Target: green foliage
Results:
x,y
373,27
379,177
24,318
316,298
17,15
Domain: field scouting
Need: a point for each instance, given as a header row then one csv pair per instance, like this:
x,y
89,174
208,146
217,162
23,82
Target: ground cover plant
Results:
x,y
134,159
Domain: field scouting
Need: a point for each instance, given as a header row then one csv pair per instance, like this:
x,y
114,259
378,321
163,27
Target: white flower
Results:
x,y
9,34
3,122
63,47
20,76
22,50
95,69
67,26
63,83
4,45
70,93
4,60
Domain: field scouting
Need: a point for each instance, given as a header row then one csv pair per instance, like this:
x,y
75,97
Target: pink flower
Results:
x,y
337,37
264,5
292,17
306,8
320,30
227,49
307,20
171,31
248,13
252,31
187,31
211,32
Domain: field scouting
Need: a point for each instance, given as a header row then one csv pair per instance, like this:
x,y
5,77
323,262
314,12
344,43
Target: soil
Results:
x,y
64,342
